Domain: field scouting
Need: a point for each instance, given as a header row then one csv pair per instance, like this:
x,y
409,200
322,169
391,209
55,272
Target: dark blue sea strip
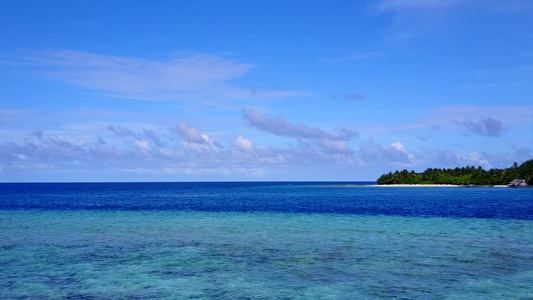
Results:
x,y
282,197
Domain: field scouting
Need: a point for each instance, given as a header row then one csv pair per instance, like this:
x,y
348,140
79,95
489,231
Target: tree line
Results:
x,y
463,176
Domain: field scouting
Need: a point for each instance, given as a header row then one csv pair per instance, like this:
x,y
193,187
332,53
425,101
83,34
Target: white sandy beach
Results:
x,y
398,185
428,185
416,185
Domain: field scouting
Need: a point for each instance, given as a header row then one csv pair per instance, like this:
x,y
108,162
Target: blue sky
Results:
x,y
262,90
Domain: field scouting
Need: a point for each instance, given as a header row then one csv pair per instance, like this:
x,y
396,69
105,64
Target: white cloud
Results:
x,y
197,145
143,145
450,158
207,171
242,143
418,19
115,149
151,134
190,133
412,4
243,159
280,126
121,131
398,146
126,74
254,172
486,127
393,156
182,78
335,146
243,150
479,160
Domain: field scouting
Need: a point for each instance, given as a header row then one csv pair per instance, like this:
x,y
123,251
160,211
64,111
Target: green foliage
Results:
x,y
463,176
526,171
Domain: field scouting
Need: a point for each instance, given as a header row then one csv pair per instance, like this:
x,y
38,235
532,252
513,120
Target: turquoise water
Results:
x,y
100,254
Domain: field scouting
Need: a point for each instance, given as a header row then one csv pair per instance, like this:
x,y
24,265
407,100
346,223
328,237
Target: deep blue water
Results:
x,y
282,197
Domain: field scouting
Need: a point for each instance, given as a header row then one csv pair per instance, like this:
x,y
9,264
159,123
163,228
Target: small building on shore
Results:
x,y
517,183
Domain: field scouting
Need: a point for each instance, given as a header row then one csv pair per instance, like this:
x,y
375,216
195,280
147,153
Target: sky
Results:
x,y
262,90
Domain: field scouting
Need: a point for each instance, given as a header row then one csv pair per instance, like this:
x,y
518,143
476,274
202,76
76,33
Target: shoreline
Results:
x,y
418,185
435,185
415,185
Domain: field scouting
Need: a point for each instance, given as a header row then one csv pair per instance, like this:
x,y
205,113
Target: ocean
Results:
x,y
264,240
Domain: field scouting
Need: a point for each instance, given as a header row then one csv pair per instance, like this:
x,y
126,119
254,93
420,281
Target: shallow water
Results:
x,y
173,255
120,252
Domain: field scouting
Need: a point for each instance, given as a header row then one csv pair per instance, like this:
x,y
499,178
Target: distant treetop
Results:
x,y
469,175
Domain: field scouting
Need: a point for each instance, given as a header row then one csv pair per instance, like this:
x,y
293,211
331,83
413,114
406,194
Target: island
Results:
x,y
466,176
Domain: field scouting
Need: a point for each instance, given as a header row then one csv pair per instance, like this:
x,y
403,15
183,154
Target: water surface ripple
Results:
x,y
263,241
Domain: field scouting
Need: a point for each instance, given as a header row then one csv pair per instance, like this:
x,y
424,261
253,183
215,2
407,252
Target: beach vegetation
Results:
x,y
468,175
